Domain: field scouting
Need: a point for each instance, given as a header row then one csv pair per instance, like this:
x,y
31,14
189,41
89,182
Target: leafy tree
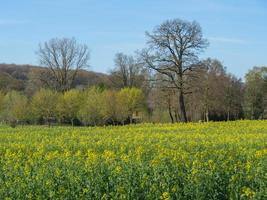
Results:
x,y
44,105
15,108
132,99
69,105
114,109
91,111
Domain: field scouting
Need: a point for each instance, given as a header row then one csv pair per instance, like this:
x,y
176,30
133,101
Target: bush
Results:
x,y
15,108
91,110
44,105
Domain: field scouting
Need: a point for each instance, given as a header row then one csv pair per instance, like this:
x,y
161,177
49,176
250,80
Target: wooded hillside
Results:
x,y
26,78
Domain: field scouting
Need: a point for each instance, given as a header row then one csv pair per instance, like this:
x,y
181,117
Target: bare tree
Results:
x,y
63,58
173,51
233,97
217,95
127,72
255,93
210,86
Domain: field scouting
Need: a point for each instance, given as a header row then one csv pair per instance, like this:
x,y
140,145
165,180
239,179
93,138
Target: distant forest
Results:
x,y
165,82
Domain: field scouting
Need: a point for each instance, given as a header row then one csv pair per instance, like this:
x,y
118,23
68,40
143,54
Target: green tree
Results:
x,y
69,105
91,111
114,109
14,108
132,99
44,105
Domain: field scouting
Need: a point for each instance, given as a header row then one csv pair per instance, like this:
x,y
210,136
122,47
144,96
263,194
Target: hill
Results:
x,y
21,77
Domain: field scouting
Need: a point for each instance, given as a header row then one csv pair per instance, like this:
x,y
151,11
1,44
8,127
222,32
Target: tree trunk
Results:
x,y
131,120
207,115
177,116
170,109
170,113
228,114
182,106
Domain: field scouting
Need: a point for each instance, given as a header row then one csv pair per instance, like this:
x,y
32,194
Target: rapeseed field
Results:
x,y
216,160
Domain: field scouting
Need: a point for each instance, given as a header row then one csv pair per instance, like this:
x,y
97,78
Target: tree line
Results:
x,y
164,82
92,106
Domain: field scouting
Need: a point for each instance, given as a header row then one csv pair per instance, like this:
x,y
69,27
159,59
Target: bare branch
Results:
x,y
63,58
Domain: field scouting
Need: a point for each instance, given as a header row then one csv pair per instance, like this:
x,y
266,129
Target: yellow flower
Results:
x,y
261,153
108,155
248,192
118,169
165,196
125,158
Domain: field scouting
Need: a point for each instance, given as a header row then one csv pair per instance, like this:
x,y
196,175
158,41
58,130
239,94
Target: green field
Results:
x,y
226,160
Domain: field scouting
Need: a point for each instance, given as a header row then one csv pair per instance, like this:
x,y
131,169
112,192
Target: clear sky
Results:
x,y
236,29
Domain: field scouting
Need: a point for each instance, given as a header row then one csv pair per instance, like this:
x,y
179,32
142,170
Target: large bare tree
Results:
x,y
173,49
127,71
63,58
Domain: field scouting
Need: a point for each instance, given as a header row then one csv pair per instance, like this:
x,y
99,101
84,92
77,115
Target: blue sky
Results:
x,y
236,29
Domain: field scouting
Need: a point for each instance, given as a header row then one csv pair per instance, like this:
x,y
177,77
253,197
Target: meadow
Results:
x,y
215,160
